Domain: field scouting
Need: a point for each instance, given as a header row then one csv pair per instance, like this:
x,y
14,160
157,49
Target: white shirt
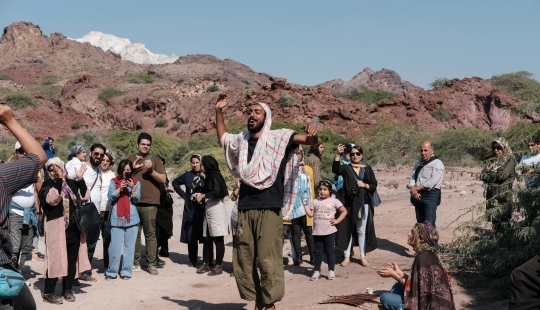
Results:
x,y
529,160
24,198
73,163
106,178
89,177
430,176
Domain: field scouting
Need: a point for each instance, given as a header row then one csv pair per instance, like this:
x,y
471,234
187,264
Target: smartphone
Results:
x,y
128,175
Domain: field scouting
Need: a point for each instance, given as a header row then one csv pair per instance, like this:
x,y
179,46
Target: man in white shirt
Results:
x,y
425,184
529,161
92,178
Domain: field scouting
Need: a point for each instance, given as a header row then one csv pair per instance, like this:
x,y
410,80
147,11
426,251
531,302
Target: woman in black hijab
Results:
x,y
216,224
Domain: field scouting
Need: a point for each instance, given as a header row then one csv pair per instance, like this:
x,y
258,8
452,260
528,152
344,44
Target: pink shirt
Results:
x,y
323,211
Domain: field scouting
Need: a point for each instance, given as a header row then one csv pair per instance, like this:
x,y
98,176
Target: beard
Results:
x,y
95,162
256,128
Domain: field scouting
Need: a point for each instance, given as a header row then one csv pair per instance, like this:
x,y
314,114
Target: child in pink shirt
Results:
x,y
323,210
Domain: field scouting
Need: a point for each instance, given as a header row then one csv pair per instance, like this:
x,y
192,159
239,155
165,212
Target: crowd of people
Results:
x,y
279,195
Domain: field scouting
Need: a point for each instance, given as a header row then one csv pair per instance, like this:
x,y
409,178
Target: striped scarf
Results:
x,y
262,170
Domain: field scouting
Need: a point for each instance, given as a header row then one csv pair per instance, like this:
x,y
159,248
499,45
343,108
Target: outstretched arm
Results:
x,y
220,120
309,138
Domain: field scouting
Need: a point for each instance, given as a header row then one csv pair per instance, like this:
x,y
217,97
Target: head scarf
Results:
x,y
214,184
261,172
498,162
67,194
76,149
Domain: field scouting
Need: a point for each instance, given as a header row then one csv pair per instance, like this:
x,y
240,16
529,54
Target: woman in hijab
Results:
x,y
65,247
216,219
359,184
498,176
428,286
76,156
193,216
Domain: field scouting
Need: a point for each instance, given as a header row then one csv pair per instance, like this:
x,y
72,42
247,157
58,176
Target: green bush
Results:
x,y
176,126
285,100
5,77
161,122
364,94
19,99
440,114
109,92
519,84
76,125
49,80
158,94
438,82
212,88
48,91
141,78
528,107
86,138
463,146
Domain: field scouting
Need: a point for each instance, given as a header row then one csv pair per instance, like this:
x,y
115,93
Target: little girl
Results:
x,y
323,210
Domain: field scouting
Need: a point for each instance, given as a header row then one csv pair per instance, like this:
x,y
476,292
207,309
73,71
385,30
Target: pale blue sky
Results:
x,y
310,42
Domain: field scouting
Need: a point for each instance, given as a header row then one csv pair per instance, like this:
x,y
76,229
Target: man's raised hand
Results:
x,y
222,101
6,114
137,164
310,130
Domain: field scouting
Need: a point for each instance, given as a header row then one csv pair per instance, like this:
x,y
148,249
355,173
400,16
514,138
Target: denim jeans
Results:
x,y
21,237
299,225
325,244
392,299
122,241
361,224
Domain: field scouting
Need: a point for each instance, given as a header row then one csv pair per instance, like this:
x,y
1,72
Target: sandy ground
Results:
x,y
180,287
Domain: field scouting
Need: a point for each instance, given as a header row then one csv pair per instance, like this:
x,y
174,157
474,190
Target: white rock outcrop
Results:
x,y
136,52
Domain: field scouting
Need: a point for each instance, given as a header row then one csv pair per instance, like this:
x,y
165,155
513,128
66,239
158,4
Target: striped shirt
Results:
x,y
14,176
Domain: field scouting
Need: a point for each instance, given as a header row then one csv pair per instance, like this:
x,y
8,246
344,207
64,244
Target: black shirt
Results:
x,y
268,198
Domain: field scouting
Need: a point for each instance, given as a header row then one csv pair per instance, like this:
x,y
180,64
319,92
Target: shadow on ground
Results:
x,y
387,245
194,304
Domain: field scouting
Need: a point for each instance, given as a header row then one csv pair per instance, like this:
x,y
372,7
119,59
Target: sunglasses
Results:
x,y
355,154
96,154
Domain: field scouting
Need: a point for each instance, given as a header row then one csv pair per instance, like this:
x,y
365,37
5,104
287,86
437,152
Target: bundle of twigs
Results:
x,y
355,300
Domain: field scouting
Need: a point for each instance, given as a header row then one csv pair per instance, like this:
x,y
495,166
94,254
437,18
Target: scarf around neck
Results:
x,y
123,205
261,172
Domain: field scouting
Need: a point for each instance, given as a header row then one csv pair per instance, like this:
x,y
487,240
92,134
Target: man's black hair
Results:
x,y
98,146
145,136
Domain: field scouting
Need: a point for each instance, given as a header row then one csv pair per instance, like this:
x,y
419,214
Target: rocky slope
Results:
x,y
384,79
182,93
136,52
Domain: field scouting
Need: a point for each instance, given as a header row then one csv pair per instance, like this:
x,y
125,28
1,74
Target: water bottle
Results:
x,y
400,307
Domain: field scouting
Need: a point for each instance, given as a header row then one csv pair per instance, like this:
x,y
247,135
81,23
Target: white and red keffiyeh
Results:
x,y
262,170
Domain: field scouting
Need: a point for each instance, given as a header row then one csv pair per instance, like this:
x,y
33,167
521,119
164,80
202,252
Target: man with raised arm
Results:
x,y
266,161
14,176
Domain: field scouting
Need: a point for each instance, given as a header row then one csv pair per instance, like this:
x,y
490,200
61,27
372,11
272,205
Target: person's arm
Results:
x,y
342,215
309,209
220,119
176,185
46,144
137,196
370,183
437,173
112,193
28,143
337,167
309,138
52,194
156,170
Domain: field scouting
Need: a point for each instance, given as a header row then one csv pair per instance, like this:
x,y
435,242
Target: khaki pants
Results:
x,y
258,235
148,224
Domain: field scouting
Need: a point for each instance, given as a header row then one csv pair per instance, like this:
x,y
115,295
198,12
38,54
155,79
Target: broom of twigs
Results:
x,y
355,300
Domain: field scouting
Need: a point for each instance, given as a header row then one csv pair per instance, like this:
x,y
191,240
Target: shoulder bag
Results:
x,y
11,283
87,216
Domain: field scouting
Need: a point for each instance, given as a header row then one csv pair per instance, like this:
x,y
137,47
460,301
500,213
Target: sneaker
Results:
x,y
136,268
68,296
331,275
364,262
160,263
204,268
125,277
52,299
153,270
316,275
87,278
216,271
110,278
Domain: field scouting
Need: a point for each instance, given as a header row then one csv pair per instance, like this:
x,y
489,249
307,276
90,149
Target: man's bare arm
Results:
x,y
310,138
220,120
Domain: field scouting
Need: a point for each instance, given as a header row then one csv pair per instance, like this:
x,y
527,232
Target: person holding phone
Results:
x,y
124,194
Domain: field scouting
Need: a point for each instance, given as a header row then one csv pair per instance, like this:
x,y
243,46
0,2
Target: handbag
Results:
x,y
106,232
86,217
376,199
11,283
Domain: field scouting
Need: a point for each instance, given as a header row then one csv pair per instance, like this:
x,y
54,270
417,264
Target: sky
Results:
x,y
310,42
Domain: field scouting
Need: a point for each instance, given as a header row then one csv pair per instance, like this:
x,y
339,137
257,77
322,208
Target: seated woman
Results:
x,y
428,286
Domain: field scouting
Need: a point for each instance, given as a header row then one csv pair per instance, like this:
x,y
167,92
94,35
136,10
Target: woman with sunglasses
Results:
x,y
498,176
359,184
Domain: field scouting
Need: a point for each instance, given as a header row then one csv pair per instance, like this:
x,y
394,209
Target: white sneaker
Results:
x,y
136,268
316,275
331,275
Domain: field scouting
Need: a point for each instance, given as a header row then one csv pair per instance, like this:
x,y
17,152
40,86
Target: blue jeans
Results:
x,y
392,299
426,207
122,240
361,223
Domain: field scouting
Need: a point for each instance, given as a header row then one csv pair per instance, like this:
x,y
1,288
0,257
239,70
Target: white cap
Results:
x,y
17,145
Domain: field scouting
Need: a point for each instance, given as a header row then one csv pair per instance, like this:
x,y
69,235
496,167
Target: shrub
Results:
x,y
48,91
438,82
285,100
20,99
158,94
5,76
520,84
49,80
161,122
212,88
76,125
86,138
141,78
176,126
364,94
528,107
109,92
463,146
440,114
